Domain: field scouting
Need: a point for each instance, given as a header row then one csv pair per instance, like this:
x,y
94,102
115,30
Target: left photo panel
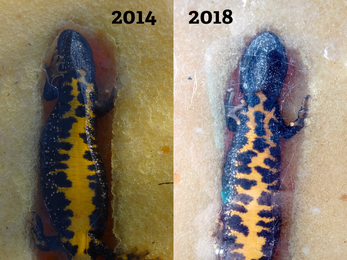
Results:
x,y
86,130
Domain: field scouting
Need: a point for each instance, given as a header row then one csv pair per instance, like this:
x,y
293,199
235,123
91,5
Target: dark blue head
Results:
x,y
77,54
264,66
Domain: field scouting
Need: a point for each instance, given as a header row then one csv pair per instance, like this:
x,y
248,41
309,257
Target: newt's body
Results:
x,y
250,219
73,179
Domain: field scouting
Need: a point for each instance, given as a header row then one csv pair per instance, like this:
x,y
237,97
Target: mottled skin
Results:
x,y
250,218
73,178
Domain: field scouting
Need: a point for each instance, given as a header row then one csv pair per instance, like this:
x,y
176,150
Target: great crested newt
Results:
x,y
250,219
73,178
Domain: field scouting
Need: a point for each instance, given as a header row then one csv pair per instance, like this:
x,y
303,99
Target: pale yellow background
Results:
x,y
142,123
314,34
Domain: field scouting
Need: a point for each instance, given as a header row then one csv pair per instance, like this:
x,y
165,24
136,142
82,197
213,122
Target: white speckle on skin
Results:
x,y
305,250
315,210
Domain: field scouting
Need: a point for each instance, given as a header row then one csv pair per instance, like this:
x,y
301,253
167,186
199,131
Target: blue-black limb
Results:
x,y
98,248
41,241
136,255
50,91
107,105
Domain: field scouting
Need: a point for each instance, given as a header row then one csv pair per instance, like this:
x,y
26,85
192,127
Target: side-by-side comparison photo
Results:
x,y
173,130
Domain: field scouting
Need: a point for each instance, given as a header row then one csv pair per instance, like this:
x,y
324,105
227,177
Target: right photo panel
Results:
x,y
260,171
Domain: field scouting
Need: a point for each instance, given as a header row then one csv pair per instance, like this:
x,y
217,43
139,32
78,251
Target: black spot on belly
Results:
x,y
252,99
260,145
275,151
61,157
92,185
239,208
268,176
84,137
92,177
60,179
65,95
60,166
64,145
274,164
64,108
264,233
259,118
69,247
244,169
245,184
244,159
66,126
80,98
244,198
274,187
92,167
87,155
270,225
265,214
234,222
244,119
265,199
269,104
80,111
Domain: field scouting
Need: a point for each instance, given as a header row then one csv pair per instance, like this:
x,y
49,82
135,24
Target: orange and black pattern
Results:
x,y
250,219
73,179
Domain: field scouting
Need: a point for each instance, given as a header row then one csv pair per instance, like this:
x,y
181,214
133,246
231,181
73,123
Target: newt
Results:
x,y
73,179
250,218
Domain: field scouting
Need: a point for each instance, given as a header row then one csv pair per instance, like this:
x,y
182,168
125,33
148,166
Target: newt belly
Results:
x,y
73,178
250,220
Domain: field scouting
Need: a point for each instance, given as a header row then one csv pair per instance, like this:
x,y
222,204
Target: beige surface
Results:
x,y
142,124
314,35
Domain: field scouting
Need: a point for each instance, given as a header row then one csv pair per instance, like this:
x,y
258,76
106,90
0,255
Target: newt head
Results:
x,y
77,54
264,66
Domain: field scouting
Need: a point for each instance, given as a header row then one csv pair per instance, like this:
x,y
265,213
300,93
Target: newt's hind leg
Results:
x,y
41,241
136,255
99,248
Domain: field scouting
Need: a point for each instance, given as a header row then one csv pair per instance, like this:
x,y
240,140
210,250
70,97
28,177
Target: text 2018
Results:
x,y
206,17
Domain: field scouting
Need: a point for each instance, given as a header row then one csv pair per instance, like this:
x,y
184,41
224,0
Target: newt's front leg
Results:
x,y
230,110
107,105
302,114
53,70
50,91
294,127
